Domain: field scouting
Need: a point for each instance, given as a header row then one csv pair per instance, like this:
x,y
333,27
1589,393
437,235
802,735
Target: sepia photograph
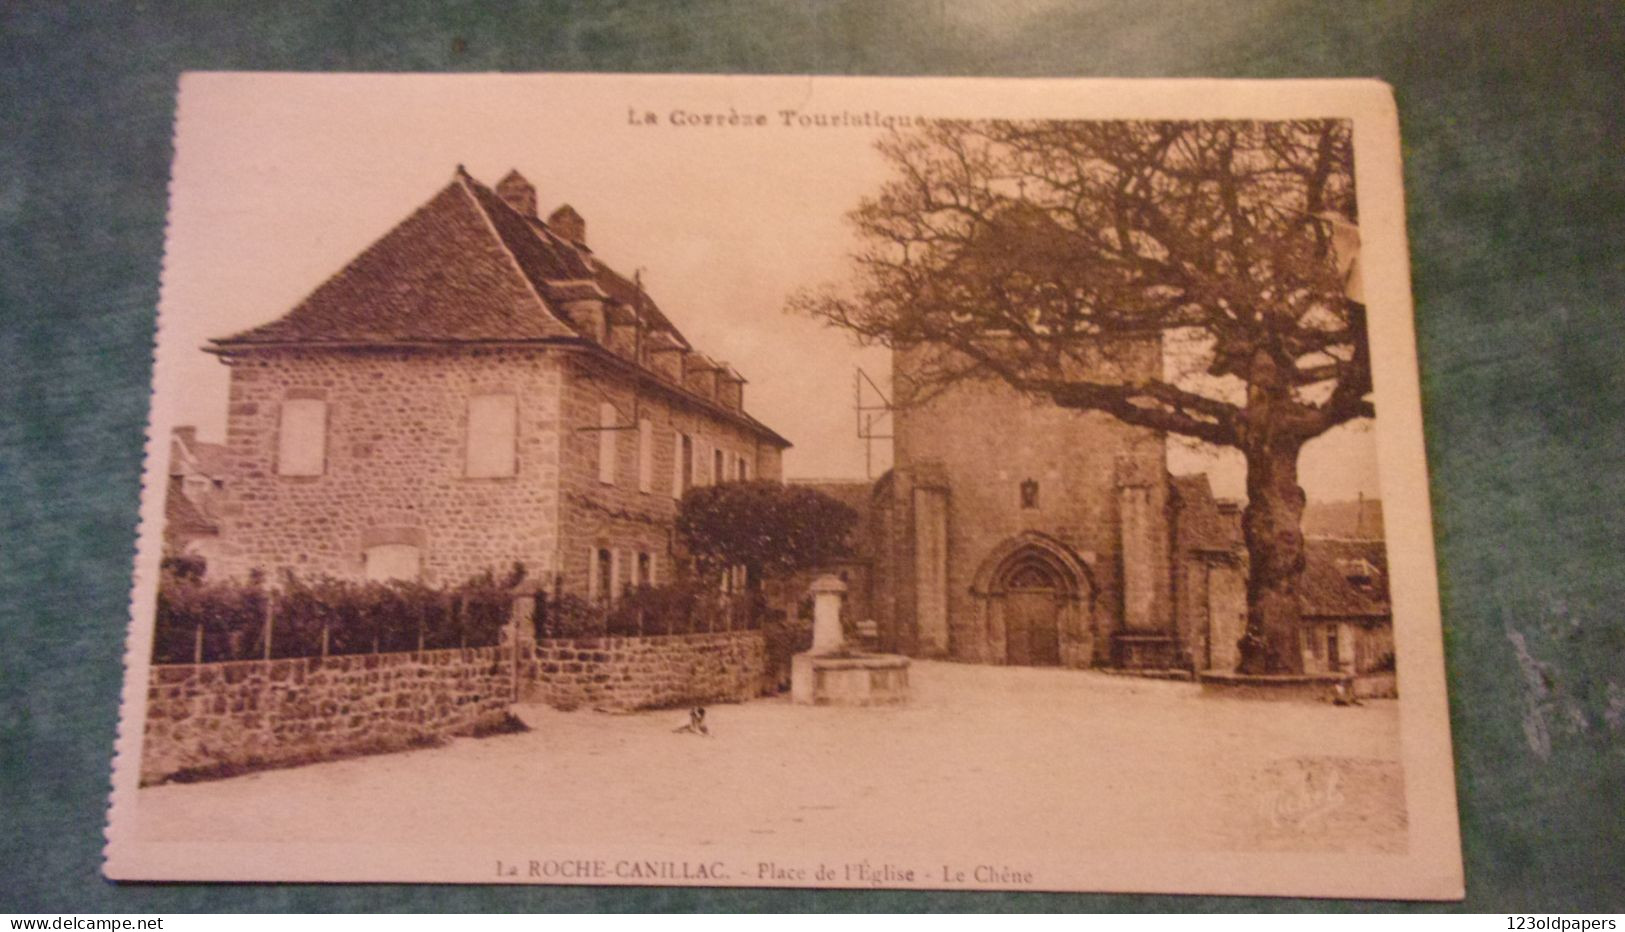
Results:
x,y
786,482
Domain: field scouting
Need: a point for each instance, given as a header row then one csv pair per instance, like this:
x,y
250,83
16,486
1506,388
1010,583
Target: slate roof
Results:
x,y
1324,588
182,516
625,291
208,459
445,274
464,267
1201,526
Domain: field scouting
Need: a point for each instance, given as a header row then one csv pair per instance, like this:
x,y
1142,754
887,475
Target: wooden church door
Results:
x,y
1032,611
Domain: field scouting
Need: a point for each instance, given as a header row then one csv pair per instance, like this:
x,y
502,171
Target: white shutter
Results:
x,y
646,455
606,443
615,562
676,464
492,433
387,562
302,438
592,574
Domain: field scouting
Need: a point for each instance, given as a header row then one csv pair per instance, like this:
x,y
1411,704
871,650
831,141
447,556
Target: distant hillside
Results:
x,y
1357,519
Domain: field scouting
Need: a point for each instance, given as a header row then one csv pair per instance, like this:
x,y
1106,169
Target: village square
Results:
x,y
488,543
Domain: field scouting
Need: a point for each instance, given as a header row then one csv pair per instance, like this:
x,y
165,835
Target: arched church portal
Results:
x,y
1033,596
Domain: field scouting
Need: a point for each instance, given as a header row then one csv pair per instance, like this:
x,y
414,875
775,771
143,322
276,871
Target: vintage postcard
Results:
x,y
787,482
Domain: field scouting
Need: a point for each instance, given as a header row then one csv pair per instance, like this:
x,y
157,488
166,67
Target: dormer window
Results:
x,y
1358,571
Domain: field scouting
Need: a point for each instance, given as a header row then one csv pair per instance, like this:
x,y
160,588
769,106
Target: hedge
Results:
x,y
681,608
199,620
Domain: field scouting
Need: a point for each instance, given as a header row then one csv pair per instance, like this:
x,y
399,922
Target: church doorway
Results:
x,y
1032,614
1034,598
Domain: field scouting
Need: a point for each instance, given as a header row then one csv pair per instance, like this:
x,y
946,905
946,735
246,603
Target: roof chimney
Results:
x,y
568,224
518,193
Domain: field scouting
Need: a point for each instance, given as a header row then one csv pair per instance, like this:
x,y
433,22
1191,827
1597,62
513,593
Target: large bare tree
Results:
x,y
1025,251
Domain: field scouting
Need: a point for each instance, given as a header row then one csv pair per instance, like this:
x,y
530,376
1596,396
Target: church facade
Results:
x,y
1013,531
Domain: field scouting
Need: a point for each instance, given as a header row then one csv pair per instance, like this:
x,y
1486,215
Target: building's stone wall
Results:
x,y
662,671
982,440
620,517
1210,594
395,463
1364,645
260,713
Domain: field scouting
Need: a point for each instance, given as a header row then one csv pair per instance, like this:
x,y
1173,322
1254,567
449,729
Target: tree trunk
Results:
x,y
1273,527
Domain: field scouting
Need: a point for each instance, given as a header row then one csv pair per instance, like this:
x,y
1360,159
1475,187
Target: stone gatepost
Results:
x,y
519,636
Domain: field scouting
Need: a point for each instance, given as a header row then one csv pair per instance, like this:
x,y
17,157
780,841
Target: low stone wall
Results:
x,y
1376,686
258,713
1286,687
661,671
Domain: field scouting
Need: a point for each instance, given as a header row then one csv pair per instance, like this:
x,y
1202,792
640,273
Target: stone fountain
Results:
x,y
833,673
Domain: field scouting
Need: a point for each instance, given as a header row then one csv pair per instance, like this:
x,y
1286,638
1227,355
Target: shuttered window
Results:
x,y
677,464
646,455
606,443
492,434
387,562
302,438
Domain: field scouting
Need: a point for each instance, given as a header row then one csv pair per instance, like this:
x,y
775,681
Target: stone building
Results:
x,y
476,388
197,480
1347,618
1014,531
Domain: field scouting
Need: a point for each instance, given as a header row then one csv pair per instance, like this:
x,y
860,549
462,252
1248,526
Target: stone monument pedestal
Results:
x,y
833,674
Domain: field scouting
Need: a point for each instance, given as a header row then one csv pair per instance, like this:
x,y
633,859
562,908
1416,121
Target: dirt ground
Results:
x,y
983,756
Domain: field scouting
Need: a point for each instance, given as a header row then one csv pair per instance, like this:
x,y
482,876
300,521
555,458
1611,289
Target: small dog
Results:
x,y
696,723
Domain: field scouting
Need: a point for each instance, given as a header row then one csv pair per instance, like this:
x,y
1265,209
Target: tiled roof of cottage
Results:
x,y
1325,589
1200,524
625,291
183,516
464,267
186,451
443,275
